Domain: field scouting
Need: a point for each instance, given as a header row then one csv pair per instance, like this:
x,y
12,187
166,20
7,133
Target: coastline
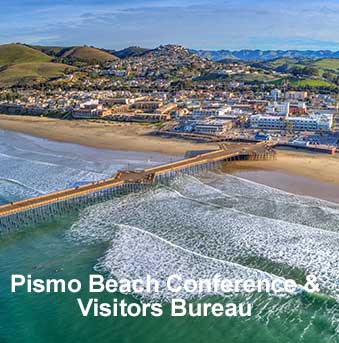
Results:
x,y
320,167
137,137
100,135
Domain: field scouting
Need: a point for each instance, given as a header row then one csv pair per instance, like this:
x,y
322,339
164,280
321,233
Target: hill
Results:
x,y
23,73
329,64
17,53
85,55
132,51
53,51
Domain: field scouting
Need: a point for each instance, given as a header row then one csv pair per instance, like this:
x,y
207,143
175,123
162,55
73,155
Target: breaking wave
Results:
x,y
199,218
220,224
41,166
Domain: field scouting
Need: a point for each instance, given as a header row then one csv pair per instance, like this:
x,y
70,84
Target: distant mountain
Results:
x,y
264,55
132,51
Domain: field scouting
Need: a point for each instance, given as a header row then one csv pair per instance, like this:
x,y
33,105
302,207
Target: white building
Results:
x,y
281,109
88,110
314,122
212,127
276,94
211,111
260,121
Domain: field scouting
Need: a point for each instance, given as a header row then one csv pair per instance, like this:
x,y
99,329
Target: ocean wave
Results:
x,y
219,232
270,202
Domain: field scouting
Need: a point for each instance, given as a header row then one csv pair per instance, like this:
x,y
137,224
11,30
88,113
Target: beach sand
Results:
x,y
136,137
321,167
101,135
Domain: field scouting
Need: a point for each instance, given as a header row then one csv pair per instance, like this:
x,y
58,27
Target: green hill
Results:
x,y
24,73
329,64
17,53
86,55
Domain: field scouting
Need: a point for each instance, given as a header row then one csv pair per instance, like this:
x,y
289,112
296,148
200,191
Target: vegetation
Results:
x,y
311,83
306,72
331,64
17,53
85,55
23,73
53,51
132,51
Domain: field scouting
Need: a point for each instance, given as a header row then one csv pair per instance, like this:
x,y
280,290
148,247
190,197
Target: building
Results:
x,y
269,122
296,95
336,125
280,109
211,111
168,108
117,101
147,105
276,94
298,107
89,110
213,127
315,122
141,117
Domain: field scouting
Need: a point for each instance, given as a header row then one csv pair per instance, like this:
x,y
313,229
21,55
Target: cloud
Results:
x,y
268,24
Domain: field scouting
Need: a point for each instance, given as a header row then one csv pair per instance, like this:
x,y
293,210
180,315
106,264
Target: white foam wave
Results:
x,y
219,232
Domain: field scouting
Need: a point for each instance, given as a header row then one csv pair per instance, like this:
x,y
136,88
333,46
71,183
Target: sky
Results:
x,y
197,24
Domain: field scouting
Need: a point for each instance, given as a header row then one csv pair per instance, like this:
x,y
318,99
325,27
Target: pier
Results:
x,y
44,207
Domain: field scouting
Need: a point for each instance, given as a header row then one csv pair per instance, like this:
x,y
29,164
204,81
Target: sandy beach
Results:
x,y
101,135
321,167
136,137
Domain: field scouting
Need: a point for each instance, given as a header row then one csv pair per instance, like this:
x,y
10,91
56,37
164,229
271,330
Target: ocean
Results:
x,y
195,226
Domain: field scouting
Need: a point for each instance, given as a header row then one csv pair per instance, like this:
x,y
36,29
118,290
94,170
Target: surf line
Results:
x,y
235,210
214,259
18,183
300,290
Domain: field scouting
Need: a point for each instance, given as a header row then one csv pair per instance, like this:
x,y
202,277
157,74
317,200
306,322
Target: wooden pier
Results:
x,y
44,207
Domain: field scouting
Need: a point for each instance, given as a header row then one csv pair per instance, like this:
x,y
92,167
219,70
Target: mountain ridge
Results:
x,y
263,55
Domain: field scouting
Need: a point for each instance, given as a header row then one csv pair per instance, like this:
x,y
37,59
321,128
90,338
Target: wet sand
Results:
x,y
321,167
293,184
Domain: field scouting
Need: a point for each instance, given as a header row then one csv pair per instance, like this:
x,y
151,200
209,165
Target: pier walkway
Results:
x,y
127,181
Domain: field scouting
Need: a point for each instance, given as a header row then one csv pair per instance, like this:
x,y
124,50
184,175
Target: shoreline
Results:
x,y
100,135
137,137
320,167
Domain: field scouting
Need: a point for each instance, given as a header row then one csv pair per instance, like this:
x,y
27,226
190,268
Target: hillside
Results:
x,y
132,51
53,51
329,64
173,62
24,73
17,53
86,55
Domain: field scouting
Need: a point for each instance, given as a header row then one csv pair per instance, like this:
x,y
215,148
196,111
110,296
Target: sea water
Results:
x,y
196,226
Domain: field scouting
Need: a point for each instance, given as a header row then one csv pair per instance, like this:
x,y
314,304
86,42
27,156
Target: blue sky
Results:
x,y
200,24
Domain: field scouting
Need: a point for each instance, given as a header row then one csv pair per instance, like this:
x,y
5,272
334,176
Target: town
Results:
x,y
185,96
